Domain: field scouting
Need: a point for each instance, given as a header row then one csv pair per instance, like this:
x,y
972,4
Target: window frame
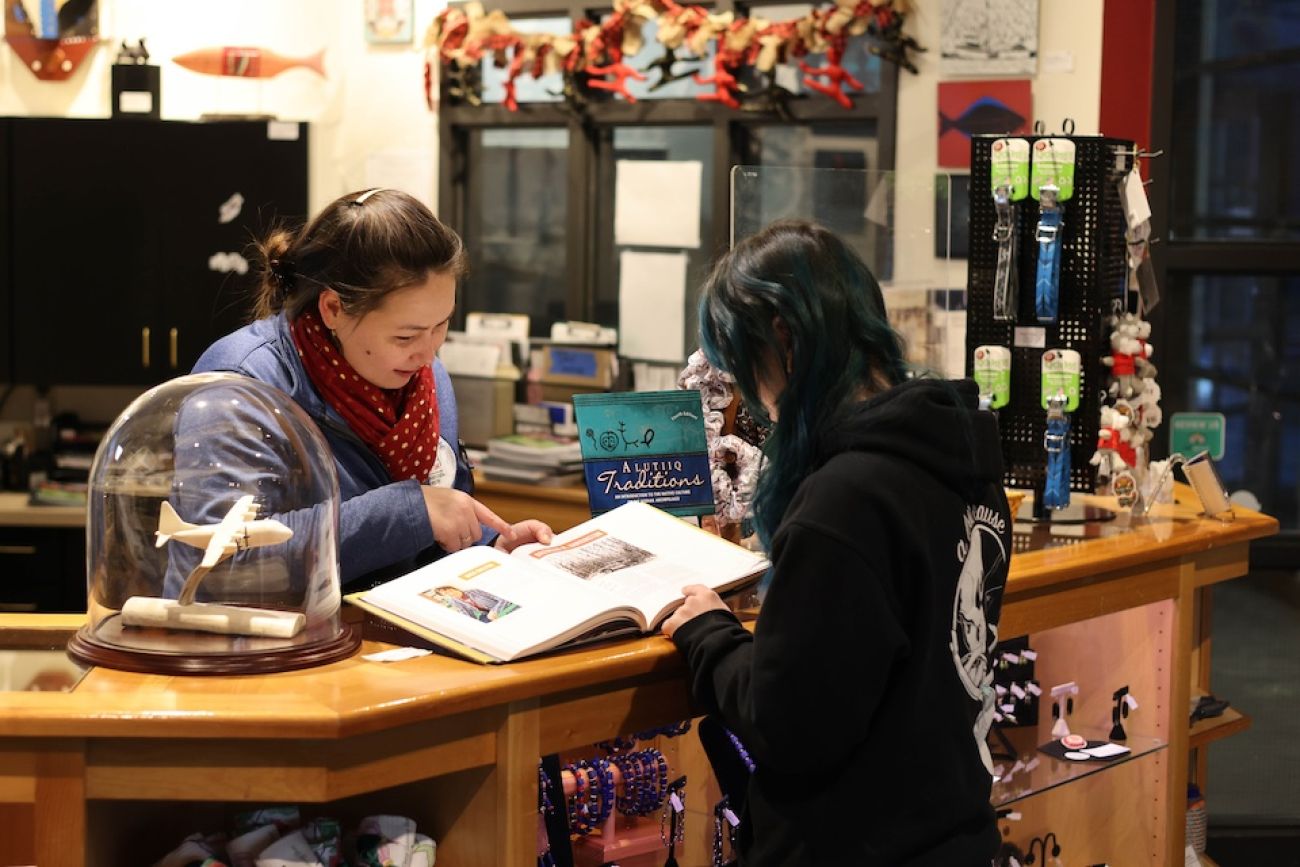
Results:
x,y
589,192
1190,257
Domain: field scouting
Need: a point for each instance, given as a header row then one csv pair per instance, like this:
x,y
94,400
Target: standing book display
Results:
x,y
1047,269
645,447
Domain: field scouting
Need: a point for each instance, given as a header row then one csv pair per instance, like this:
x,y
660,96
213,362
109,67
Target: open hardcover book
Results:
x,y
620,572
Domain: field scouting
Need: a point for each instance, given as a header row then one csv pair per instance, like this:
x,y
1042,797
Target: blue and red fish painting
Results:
x,y
970,108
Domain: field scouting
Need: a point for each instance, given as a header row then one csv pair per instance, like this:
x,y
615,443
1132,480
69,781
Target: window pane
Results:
x,y
515,226
1245,363
527,89
1236,121
673,143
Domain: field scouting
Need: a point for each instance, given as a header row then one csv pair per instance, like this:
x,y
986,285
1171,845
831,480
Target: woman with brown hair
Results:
x,y
350,314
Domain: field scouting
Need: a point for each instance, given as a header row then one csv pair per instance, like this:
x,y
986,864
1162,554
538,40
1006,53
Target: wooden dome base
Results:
x,y
168,651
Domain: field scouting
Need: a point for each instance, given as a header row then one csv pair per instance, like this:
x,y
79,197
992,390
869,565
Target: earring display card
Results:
x,y
1015,684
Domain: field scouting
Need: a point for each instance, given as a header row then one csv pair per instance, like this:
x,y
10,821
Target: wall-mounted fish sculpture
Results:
x,y
247,62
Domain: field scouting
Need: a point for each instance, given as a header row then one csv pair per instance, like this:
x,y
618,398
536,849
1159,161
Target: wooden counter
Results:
x,y
455,745
16,510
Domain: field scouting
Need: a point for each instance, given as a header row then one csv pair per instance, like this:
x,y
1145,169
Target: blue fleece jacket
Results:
x,y
384,527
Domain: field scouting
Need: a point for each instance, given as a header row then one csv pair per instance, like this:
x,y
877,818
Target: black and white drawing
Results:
x,y
989,37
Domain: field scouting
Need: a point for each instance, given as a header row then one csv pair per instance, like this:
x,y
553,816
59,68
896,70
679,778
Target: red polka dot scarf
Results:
x,y
400,425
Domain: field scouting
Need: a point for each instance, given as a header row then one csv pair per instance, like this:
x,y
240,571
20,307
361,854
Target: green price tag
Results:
x,y
1193,432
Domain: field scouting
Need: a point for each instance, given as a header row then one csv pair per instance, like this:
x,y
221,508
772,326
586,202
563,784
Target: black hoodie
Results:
x,y
865,694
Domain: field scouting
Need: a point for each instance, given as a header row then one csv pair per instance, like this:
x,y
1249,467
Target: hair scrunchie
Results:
x,y
282,273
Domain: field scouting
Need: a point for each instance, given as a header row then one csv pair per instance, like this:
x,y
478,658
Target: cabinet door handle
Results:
x,y
171,346
144,346
26,550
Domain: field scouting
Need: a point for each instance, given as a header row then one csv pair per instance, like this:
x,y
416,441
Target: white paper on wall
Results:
x,y
657,203
409,170
651,306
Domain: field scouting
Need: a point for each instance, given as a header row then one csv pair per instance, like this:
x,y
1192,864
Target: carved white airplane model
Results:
x,y
237,531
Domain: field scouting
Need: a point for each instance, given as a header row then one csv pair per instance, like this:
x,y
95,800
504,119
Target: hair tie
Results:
x,y
282,273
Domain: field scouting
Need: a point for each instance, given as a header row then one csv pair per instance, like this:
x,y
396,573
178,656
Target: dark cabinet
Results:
x,y
43,569
128,239
6,296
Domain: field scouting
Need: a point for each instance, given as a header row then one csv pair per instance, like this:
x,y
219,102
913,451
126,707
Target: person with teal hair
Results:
x,y
864,695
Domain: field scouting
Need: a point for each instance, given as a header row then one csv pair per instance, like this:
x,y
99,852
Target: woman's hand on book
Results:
x,y
524,533
457,518
699,599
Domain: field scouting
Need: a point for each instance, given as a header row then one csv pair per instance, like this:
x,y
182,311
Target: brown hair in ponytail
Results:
x,y
363,245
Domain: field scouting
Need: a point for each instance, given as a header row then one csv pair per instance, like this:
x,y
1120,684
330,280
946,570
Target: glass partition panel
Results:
x,y
905,226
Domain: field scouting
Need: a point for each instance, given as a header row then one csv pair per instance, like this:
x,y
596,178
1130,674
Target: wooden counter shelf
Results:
x,y
455,745
1216,728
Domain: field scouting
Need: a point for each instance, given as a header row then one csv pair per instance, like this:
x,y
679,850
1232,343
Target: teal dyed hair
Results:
x,y
839,343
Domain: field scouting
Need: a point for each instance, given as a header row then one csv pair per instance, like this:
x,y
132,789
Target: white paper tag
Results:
x,y
396,654
1013,658
1131,702
1031,337
281,130
1008,708
731,817
135,102
1137,210
1190,858
1028,654
999,689
676,802
1017,691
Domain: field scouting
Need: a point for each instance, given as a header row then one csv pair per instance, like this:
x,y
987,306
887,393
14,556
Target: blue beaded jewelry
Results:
x,y
740,749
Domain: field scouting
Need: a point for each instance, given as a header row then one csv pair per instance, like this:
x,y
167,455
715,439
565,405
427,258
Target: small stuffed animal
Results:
x,y
1109,457
1125,349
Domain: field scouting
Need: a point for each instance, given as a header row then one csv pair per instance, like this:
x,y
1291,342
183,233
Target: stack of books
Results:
x,y
537,460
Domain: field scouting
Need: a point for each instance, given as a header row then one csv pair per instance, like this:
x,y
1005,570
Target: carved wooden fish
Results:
x,y
247,62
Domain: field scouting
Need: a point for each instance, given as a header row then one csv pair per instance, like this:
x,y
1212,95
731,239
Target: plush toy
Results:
x,y
1113,453
1147,409
1125,349
1142,362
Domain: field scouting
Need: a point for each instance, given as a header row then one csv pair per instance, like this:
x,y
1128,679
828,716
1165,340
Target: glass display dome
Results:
x,y
211,543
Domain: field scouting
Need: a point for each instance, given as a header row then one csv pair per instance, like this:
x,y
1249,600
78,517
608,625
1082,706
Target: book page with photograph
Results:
x,y
496,604
643,556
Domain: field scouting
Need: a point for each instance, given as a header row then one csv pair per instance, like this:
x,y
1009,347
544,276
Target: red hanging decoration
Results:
x,y
725,84
836,74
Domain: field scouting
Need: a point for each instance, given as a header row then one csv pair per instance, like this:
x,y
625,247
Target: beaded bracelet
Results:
x,y
645,782
583,804
544,804
740,750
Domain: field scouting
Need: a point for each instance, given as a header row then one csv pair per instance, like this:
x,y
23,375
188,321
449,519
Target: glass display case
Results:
x,y
212,535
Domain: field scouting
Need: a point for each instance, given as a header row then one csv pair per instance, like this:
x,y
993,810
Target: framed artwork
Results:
x,y
970,108
388,22
989,37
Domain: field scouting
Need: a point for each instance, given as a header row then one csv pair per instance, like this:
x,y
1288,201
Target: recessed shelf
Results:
x,y
1033,772
1206,731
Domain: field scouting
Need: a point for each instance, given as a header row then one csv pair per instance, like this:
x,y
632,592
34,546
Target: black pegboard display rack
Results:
x,y
1092,285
